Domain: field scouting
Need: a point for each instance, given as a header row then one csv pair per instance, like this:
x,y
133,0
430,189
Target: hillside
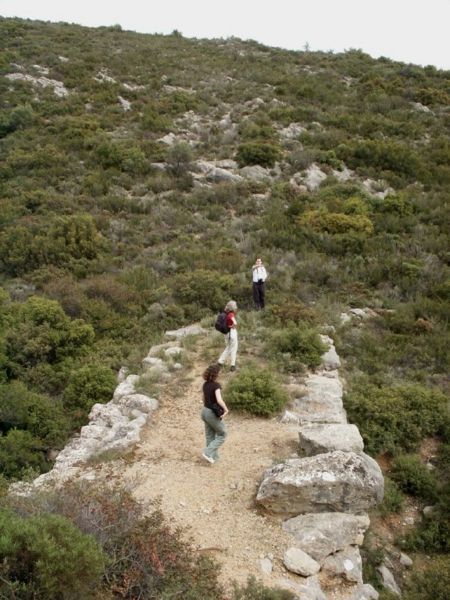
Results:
x,y
141,175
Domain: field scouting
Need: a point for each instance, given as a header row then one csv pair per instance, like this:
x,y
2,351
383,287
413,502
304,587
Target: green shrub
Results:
x,y
20,453
392,419
204,288
255,590
258,153
256,391
41,416
87,386
46,556
298,345
179,158
146,556
413,477
393,499
338,223
431,583
43,333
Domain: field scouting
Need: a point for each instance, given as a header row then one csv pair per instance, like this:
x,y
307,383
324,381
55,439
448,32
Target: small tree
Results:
x,y
179,158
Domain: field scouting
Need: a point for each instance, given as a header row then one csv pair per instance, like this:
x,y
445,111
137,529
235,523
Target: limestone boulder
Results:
x,y
320,438
322,402
194,329
332,482
299,562
217,175
330,359
126,388
323,534
256,173
346,564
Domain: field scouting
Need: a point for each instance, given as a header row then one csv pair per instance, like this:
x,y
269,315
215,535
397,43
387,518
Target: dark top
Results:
x,y
209,393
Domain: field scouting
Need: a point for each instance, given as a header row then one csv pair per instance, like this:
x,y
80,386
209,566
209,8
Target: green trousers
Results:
x,y
215,432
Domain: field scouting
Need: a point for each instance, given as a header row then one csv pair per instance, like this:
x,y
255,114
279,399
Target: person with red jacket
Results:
x,y
231,338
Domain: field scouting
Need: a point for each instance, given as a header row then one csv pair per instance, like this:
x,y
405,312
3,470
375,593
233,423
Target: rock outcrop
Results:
x,y
326,491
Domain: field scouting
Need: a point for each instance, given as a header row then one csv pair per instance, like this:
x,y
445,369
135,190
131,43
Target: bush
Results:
x,y
204,288
254,590
395,419
414,478
256,391
299,345
43,333
432,583
87,386
20,453
336,223
46,556
147,557
258,153
393,498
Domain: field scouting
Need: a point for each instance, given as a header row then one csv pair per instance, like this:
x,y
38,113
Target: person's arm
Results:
x,y
264,272
221,402
234,321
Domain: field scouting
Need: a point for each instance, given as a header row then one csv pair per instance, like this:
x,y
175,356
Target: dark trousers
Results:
x,y
259,293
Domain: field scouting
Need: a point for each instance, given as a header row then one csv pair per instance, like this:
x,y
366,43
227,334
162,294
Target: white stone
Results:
x,y
314,177
326,437
330,359
266,566
321,534
405,560
292,131
335,481
170,139
127,387
125,104
184,331
256,173
345,563
58,87
299,562
388,580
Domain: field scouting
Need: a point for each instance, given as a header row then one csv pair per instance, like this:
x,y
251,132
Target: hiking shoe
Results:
x,y
208,458
232,368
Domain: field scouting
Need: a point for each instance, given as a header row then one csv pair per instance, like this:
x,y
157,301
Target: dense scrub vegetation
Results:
x,y
102,248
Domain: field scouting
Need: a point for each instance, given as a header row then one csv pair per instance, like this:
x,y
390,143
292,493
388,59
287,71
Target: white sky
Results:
x,y
413,31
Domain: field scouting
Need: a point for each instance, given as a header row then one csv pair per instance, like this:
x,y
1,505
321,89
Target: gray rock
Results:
x,y
292,131
127,387
314,177
299,562
217,175
174,351
365,592
388,580
122,374
322,402
333,482
325,533
170,139
346,563
188,330
139,402
310,589
330,359
227,163
153,361
256,173
320,438
266,566
405,560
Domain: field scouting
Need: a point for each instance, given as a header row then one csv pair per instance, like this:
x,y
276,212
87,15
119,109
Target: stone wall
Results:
x,y
324,494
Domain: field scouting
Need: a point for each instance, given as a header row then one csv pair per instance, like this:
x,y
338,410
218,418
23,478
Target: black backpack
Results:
x,y
221,323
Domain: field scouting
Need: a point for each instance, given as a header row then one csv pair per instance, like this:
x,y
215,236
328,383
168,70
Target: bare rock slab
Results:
x,y
320,438
322,402
346,564
299,562
332,482
325,533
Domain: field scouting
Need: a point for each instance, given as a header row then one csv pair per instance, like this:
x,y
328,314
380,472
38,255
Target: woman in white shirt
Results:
x,y
259,274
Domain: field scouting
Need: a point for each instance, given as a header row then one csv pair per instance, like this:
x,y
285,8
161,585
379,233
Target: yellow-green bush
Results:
x,y
256,391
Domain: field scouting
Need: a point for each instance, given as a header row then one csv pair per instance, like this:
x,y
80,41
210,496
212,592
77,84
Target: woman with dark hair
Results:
x,y
214,409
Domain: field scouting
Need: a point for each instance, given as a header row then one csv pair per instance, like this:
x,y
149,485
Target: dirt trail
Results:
x,y
215,501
